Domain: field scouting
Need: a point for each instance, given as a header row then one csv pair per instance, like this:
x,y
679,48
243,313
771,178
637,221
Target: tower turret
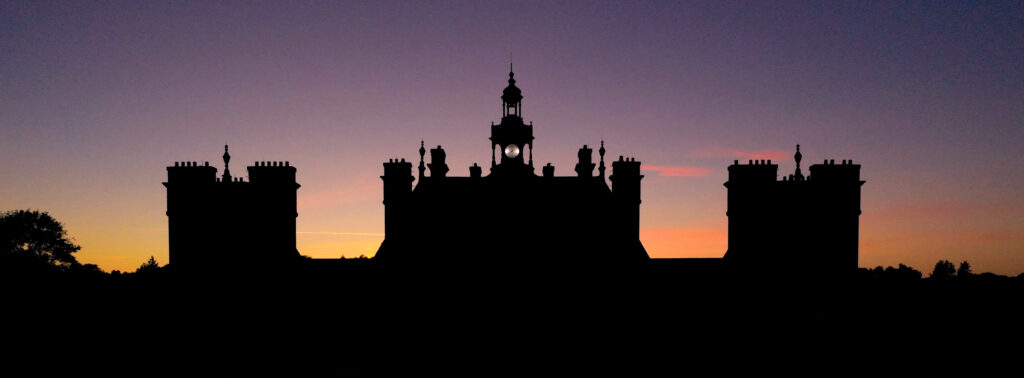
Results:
x,y
626,179
512,98
512,136
626,192
397,211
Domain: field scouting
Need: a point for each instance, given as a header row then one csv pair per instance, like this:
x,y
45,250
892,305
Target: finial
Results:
x,y
601,151
227,158
799,176
422,168
511,74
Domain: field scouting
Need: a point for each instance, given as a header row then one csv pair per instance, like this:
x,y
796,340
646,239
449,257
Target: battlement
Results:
x,y
271,164
626,167
760,171
829,171
191,172
397,168
271,172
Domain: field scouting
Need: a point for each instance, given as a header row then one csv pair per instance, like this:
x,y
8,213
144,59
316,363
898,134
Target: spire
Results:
x,y
422,152
227,172
799,176
600,168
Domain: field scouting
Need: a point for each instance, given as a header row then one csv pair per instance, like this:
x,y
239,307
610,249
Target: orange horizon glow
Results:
x,y
98,99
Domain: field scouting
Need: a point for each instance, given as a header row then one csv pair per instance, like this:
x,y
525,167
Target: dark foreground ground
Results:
x,y
357,320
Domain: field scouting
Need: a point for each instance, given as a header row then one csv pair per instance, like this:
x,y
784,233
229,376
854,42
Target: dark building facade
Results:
x,y
512,214
213,221
807,223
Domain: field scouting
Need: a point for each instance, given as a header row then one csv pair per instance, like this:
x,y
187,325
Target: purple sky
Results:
x,y
96,98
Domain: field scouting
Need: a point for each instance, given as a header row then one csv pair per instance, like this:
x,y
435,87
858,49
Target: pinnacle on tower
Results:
x,y
227,172
799,176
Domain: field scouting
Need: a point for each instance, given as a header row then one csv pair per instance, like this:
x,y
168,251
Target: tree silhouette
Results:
x,y
33,238
906,273
148,267
903,273
944,269
965,270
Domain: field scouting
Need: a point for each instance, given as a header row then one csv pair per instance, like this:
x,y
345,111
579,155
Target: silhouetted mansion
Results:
x,y
512,215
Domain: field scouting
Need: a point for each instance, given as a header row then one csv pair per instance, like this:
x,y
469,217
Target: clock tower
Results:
x,y
512,136
563,221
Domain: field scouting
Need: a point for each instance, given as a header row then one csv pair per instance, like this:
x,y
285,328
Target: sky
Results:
x,y
98,98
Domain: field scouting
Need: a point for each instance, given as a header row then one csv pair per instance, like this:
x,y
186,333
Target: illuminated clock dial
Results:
x,y
512,151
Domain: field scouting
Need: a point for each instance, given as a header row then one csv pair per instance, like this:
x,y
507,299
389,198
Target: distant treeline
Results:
x,y
34,245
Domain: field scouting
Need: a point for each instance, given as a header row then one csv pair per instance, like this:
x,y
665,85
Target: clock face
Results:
x,y
512,151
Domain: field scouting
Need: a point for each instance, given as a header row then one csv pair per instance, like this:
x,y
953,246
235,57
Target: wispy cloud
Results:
x,y
676,171
720,152
338,233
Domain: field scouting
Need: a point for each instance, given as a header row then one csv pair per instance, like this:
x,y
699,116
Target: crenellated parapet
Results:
x,y
190,172
272,173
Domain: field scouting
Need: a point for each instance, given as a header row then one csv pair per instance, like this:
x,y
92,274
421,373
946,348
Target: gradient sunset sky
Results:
x,y
97,98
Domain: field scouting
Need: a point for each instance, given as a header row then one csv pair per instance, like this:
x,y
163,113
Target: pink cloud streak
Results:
x,y
676,171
